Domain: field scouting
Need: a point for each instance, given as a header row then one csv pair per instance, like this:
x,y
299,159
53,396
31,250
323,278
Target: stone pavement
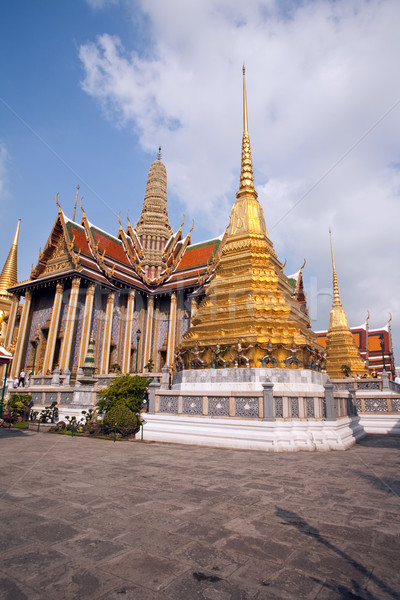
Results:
x,y
83,518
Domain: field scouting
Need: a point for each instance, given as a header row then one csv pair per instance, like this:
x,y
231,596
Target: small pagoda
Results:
x,y
343,357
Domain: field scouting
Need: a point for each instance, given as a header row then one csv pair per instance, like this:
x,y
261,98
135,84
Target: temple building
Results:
x,y
147,294
134,292
149,297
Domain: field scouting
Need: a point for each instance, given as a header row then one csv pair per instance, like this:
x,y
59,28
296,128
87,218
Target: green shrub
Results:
x,y
19,404
123,418
124,390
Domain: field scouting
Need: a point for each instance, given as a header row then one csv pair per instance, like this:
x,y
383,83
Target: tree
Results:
x,y
125,390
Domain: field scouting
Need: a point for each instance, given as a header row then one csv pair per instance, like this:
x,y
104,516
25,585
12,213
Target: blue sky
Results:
x,y
90,89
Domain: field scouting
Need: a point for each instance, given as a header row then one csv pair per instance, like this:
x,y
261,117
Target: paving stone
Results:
x,y
257,547
205,585
146,570
91,548
76,583
288,584
11,589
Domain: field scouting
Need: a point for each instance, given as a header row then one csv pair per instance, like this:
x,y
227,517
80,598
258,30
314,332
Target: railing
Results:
x,y
251,405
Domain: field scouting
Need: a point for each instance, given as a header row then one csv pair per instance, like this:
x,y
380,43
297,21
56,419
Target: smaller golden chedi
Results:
x,y
343,356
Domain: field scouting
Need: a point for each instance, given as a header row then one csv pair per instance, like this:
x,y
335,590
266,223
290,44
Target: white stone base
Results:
x,y
275,436
380,423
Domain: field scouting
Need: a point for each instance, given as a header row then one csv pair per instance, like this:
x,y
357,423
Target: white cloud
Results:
x,y
324,121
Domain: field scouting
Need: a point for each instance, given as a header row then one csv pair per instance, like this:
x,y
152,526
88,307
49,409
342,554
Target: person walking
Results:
x,y
22,379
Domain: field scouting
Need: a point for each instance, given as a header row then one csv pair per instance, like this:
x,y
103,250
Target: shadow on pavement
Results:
x,y
376,440
7,432
345,592
383,484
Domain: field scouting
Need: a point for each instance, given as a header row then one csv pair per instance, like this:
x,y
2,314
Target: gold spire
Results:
x,y
8,275
246,172
336,295
247,215
340,345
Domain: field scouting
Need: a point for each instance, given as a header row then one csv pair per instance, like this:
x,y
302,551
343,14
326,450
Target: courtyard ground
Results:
x,y
83,518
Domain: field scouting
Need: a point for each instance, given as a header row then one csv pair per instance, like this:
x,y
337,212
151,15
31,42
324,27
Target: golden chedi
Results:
x,y
249,316
342,352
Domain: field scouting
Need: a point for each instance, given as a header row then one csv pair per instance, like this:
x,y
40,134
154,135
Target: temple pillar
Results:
x,y
22,331
105,351
171,331
11,321
65,354
149,331
86,323
53,329
126,357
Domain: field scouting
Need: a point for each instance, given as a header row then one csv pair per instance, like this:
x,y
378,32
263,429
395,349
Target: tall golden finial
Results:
x,y
245,123
76,201
336,295
82,209
246,172
57,202
8,275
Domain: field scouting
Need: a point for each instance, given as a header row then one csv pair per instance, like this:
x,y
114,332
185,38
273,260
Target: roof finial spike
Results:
x,y
159,153
8,276
76,201
336,296
245,123
246,184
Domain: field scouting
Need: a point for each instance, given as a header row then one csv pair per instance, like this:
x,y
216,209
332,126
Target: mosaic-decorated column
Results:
x,y
53,329
126,357
149,330
86,323
105,352
69,325
10,329
22,332
171,331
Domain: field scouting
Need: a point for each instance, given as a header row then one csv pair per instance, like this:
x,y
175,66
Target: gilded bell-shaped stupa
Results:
x,y
249,314
343,357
